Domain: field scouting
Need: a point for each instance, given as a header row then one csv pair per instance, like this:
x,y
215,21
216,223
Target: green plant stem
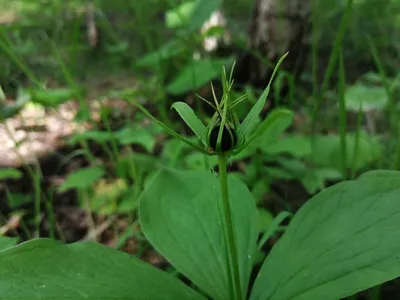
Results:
x,y
331,64
6,46
342,114
356,144
37,188
36,176
233,264
374,293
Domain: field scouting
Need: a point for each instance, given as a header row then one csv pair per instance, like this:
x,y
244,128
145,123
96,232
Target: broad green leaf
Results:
x,y
7,242
200,162
53,97
190,118
342,241
250,122
365,97
136,135
196,74
202,11
47,269
167,51
312,178
94,135
82,178
180,217
247,151
273,126
326,151
180,15
10,173
297,146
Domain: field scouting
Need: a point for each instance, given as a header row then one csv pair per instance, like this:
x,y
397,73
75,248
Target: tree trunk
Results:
x,y
276,27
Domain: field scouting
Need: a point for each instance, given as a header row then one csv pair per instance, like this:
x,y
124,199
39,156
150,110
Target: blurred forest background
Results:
x,y
75,153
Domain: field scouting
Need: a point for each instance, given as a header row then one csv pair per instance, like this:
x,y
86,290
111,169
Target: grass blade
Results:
x,y
342,114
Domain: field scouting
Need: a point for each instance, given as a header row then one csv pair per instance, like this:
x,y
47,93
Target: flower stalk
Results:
x,y
232,253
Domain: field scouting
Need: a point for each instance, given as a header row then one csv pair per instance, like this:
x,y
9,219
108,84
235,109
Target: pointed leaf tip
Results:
x,y
190,118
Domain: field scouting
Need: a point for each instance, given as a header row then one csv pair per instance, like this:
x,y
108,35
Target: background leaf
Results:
x,y
265,219
343,241
277,121
326,151
94,135
81,179
200,162
367,98
179,215
273,227
180,15
46,269
273,126
53,97
171,49
136,135
202,11
312,178
297,146
7,111
10,173
16,200
196,74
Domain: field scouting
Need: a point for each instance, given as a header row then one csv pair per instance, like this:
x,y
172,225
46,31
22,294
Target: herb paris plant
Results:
x,y
342,241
